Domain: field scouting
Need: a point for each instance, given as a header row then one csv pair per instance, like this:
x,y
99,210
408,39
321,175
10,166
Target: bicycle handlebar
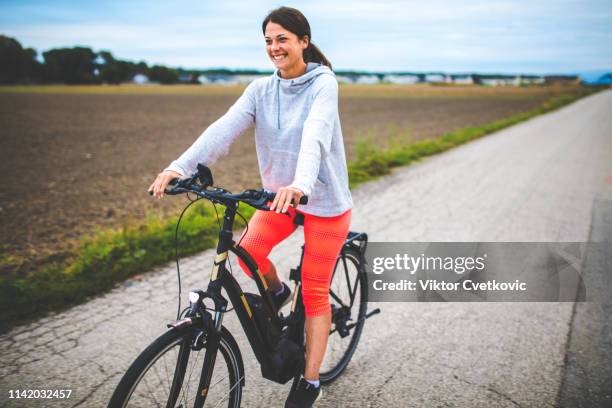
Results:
x,y
255,198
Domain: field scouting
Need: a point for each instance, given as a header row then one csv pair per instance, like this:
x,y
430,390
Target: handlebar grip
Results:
x,y
172,182
271,195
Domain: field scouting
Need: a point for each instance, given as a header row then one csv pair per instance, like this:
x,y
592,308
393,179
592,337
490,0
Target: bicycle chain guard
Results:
x,y
285,361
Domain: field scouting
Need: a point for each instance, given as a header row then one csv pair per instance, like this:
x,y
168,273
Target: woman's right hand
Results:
x,y
161,182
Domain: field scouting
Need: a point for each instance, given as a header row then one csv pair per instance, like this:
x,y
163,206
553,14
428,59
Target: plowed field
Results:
x,y
75,159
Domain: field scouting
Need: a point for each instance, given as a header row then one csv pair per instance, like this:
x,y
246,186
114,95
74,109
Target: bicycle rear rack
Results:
x,y
359,242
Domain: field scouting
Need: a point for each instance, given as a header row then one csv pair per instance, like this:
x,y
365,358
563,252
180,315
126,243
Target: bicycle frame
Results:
x,y
220,279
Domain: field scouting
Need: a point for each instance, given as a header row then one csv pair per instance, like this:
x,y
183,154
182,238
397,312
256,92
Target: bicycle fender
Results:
x,y
179,324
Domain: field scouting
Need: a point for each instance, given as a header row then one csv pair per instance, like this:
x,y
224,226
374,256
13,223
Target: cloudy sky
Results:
x,y
513,36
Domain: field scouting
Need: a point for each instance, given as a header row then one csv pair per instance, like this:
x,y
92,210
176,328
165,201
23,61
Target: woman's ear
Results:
x,y
305,42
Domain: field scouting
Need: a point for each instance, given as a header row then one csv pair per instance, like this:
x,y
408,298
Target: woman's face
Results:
x,y
284,47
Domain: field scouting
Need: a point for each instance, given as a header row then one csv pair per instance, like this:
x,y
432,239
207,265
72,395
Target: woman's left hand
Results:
x,y
285,197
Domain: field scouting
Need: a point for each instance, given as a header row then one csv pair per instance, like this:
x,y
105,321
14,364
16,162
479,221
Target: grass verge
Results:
x,y
374,162
111,256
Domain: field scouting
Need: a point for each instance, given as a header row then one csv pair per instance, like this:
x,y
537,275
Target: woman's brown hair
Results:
x,y
293,20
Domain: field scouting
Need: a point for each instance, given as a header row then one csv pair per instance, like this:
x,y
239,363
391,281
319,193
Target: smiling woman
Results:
x,y
300,151
284,50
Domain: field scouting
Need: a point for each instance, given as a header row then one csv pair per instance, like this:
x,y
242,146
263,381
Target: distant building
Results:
x,y
528,80
229,78
562,80
247,79
358,79
401,79
464,79
507,80
497,81
217,79
226,79
140,79
435,77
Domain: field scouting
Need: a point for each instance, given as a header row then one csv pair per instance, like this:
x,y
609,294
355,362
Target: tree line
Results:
x,y
76,65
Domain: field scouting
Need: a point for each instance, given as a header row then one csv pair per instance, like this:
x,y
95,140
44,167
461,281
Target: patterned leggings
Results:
x,y
323,239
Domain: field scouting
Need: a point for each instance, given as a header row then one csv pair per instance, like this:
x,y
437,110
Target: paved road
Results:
x,y
536,181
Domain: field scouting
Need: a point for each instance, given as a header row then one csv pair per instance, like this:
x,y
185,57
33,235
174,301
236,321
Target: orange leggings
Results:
x,y
323,239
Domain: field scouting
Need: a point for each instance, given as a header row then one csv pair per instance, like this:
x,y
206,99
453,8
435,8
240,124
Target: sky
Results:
x,y
485,36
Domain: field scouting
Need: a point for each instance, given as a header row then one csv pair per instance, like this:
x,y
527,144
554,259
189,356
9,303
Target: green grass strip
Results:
x,y
112,256
374,162
109,257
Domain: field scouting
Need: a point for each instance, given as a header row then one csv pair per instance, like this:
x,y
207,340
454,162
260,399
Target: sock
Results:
x,y
281,290
316,383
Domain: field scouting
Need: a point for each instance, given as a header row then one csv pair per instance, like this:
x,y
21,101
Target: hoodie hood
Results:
x,y
313,70
298,84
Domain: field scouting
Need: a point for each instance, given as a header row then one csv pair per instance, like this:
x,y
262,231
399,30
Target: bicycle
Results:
x,y
162,374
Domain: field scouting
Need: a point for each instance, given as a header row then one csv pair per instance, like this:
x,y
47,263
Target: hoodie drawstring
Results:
x,y
278,104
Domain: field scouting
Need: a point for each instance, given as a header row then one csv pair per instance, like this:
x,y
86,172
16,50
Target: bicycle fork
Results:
x,y
208,331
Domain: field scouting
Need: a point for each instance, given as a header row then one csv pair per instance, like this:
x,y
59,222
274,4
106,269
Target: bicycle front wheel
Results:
x,y
168,374
349,301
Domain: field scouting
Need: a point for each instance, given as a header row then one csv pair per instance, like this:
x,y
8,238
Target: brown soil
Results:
x,y
72,162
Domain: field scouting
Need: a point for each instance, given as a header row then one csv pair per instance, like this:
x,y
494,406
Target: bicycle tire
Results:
x,y
333,366
134,391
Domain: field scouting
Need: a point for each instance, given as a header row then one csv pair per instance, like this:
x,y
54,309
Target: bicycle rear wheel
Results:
x,y
167,374
349,302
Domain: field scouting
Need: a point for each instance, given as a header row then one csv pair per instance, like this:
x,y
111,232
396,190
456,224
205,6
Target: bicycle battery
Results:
x,y
285,357
268,330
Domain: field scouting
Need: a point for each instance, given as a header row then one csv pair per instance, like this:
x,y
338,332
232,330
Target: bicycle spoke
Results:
x,y
179,374
193,366
151,394
229,392
346,290
226,395
154,385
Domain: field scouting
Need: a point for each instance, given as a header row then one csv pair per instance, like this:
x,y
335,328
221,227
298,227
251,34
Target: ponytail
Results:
x,y
313,54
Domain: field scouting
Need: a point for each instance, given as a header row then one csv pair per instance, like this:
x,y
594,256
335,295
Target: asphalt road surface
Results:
x,y
536,181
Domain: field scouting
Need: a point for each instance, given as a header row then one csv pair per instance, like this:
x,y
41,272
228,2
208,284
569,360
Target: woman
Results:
x,y
300,152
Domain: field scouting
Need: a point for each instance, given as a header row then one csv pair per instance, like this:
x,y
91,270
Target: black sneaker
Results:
x,y
303,395
282,298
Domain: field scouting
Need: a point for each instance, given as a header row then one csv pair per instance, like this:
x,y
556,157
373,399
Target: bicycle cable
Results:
x,y
240,240
246,223
176,253
176,248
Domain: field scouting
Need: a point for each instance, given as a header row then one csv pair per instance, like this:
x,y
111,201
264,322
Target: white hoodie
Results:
x,y
297,136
